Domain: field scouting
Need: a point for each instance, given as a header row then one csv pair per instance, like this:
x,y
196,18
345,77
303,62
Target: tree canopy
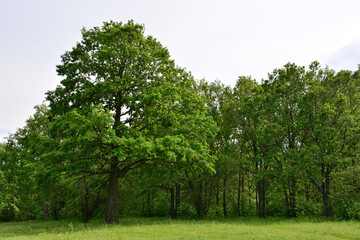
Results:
x,y
156,113
128,132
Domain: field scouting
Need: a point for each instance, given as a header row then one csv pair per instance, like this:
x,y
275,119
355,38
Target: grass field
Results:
x,y
162,228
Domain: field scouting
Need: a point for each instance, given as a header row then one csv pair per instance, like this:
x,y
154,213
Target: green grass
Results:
x,y
162,228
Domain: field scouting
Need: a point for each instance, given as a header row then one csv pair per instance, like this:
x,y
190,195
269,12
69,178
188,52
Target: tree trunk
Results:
x,y
217,199
238,196
326,195
307,194
149,204
54,211
46,211
287,204
224,198
172,201
86,210
292,194
257,200
112,212
262,198
199,201
177,200
249,187
95,205
242,194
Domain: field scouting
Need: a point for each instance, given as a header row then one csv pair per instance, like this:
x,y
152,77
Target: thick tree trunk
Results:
x,y
112,212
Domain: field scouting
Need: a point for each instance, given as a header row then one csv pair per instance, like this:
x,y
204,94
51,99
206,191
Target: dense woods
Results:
x,y
129,133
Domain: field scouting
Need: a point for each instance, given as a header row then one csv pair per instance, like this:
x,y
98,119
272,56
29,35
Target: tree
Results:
x,y
246,116
255,130
152,102
333,118
287,88
24,165
8,201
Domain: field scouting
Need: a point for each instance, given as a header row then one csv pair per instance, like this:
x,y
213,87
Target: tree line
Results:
x,y
129,133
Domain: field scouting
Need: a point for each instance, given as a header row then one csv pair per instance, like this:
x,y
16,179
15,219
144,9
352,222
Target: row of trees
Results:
x,y
128,132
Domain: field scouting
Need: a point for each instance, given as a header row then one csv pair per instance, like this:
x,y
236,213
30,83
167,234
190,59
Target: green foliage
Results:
x,y
346,199
130,132
151,101
8,202
124,104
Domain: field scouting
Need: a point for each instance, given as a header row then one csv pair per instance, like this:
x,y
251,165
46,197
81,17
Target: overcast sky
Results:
x,y
213,39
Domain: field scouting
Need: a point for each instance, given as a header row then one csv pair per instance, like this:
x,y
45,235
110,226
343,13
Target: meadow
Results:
x,y
164,228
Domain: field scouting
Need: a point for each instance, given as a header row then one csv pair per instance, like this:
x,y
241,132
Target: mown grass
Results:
x,y
163,228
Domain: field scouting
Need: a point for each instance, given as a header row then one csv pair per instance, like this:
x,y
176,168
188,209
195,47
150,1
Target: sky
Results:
x,y
215,40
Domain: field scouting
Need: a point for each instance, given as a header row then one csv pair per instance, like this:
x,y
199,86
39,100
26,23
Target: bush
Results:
x,y
346,193
308,209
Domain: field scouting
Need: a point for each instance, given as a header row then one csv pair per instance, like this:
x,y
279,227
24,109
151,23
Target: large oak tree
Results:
x,y
156,112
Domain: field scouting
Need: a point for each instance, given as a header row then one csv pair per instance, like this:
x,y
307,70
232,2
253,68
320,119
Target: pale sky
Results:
x,y
213,39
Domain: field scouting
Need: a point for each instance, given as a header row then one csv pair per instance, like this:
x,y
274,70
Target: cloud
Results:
x,y
347,58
